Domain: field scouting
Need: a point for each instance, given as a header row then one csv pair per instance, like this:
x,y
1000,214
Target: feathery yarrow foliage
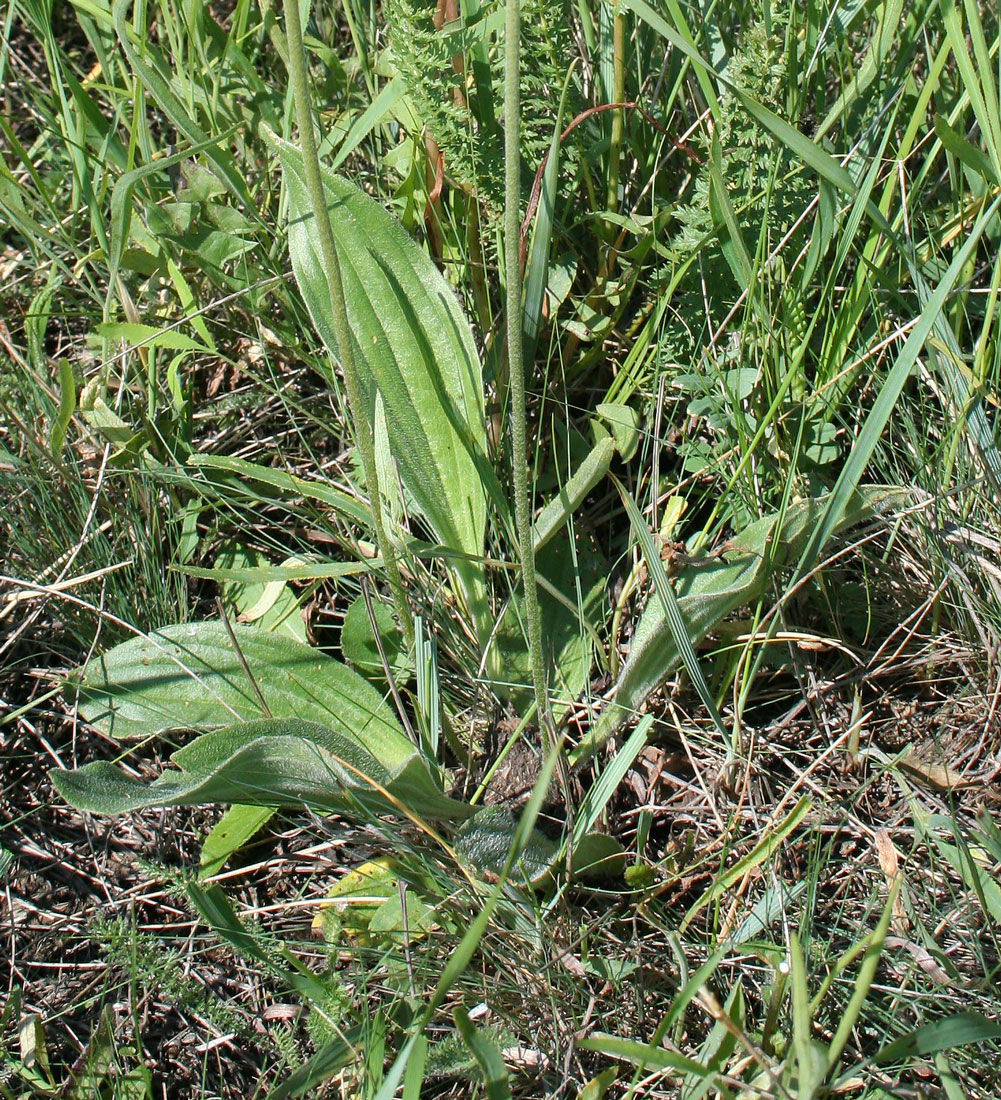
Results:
x,y
455,76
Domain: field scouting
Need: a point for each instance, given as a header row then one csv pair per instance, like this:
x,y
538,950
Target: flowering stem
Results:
x,y
516,363
338,310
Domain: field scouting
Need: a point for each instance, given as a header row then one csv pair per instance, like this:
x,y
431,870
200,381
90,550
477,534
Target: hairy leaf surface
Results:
x,y
189,676
271,762
413,346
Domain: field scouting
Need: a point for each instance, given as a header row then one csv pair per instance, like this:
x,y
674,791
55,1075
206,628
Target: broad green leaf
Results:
x,y
381,106
725,219
975,159
554,515
148,336
978,85
270,762
67,406
595,802
31,1041
190,677
624,424
669,606
97,413
955,1031
707,592
486,839
414,346
237,825
983,885
598,856
487,1056
325,1064
301,570
811,1058
537,268
286,484
270,604
596,1088
646,1056
359,645
217,911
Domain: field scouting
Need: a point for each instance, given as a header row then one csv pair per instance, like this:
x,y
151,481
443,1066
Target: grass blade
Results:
x,y
672,612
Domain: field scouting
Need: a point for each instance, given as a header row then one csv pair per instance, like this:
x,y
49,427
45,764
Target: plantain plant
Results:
x,y
415,394
278,732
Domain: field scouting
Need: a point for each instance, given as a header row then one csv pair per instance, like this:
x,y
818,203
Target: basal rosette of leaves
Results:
x,y
301,730
318,734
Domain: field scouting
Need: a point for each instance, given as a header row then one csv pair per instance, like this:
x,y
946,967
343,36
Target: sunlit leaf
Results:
x,y
415,348
271,762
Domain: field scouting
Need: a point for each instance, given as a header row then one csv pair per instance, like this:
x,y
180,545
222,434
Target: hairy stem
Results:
x,y
338,309
618,95
516,363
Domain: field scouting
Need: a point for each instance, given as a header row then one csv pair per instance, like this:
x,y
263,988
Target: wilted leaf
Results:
x,y
364,906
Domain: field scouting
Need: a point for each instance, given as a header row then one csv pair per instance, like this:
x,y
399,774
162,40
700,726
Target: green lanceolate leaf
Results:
x,y
954,1031
708,591
237,826
553,517
415,348
487,1055
190,676
270,762
669,606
